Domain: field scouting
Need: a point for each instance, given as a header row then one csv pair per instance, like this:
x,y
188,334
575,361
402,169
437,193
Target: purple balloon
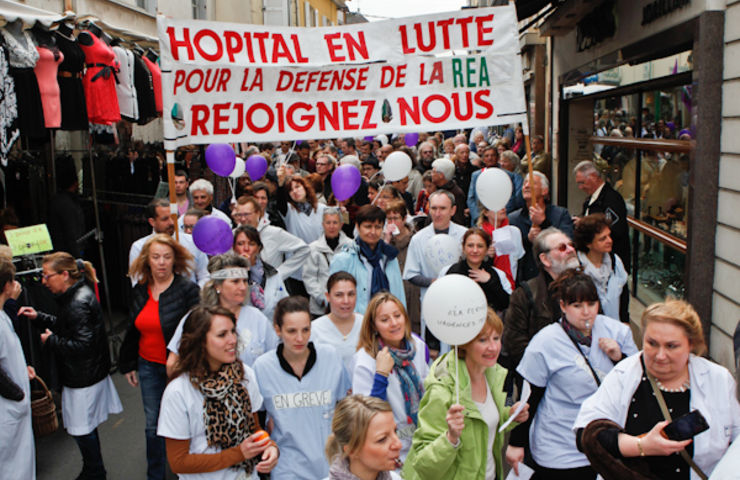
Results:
x,y
369,138
256,166
411,139
221,158
212,235
298,142
345,181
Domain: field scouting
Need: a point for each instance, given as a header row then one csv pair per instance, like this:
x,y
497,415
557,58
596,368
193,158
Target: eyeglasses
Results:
x,y
243,215
47,276
562,247
322,164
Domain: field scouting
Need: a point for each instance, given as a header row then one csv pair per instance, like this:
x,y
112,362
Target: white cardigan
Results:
x,y
712,393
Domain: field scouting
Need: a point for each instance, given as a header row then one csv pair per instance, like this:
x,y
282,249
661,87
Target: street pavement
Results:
x,y
121,438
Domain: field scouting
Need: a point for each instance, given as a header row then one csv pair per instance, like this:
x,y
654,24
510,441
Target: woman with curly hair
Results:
x,y
208,411
162,295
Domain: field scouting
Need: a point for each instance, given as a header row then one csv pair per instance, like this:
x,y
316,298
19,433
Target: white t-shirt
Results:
x,y
254,332
181,418
325,332
552,361
489,412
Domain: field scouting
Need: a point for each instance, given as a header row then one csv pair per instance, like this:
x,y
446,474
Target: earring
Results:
x,y
218,292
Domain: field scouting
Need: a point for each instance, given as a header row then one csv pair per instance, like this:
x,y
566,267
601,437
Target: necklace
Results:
x,y
684,387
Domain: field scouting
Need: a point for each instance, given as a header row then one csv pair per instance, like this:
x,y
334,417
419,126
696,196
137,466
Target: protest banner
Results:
x,y
195,42
239,83
230,104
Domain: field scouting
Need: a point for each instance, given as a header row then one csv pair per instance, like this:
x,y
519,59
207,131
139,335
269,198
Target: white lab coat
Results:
x,y
712,393
17,450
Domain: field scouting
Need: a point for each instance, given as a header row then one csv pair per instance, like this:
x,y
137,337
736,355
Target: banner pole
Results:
x,y
528,146
171,185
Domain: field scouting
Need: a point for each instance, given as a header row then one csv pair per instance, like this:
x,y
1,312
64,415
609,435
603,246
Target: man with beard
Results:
x,y
535,217
531,307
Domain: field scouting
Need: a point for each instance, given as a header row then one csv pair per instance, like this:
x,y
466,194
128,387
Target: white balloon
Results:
x,y
493,188
239,167
455,309
442,250
397,165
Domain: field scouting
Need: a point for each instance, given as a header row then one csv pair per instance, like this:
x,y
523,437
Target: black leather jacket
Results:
x,y
79,341
174,303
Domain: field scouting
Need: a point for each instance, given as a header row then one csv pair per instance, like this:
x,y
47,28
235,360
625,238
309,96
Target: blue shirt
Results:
x,y
302,410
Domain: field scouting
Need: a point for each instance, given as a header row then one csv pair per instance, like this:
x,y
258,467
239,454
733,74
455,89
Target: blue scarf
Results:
x,y
379,281
411,386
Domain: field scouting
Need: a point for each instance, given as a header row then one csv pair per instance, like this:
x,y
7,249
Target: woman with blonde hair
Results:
x,y
228,287
390,362
363,444
161,297
621,426
78,340
450,444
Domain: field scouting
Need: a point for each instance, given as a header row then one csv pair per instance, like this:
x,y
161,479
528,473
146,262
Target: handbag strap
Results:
x,y
667,415
575,344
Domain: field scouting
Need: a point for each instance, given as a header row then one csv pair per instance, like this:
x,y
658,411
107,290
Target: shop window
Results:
x,y
642,142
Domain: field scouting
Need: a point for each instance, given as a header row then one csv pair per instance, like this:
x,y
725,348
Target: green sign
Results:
x,y
27,240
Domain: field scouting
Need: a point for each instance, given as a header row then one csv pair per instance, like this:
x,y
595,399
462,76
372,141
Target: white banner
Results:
x,y
195,42
231,101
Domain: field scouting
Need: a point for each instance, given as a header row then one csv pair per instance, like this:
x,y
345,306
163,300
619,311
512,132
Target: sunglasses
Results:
x,y
562,247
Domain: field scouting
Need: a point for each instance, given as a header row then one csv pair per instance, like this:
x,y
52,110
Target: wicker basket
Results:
x,y
43,410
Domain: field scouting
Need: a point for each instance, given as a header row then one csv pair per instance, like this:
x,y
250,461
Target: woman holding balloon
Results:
x,y
458,436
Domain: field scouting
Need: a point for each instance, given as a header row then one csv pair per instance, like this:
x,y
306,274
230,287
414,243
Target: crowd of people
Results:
x,y
302,352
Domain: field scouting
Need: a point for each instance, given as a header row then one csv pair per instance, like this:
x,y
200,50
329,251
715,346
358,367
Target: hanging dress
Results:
x,y
69,77
144,91
9,132
156,82
100,82
46,74
23,57
125,89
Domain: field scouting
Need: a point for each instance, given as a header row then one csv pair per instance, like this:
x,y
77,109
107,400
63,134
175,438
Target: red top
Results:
x,y
100,82
156,82
151,342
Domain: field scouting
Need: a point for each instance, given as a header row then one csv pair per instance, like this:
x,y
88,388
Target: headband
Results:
x,y
231,272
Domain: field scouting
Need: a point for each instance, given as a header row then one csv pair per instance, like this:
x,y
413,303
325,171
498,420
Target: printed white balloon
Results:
x,y
454,309
239,168
442,250
397,165
493,188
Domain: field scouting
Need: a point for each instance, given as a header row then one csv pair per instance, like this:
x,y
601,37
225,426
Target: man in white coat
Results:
x,y
417,269
158,215
283,251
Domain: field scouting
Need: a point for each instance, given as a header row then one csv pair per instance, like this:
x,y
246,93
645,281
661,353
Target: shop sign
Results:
x,y
28,240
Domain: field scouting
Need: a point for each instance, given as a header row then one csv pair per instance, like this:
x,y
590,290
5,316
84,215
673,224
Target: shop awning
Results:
x,y
12,11
124,33
527,8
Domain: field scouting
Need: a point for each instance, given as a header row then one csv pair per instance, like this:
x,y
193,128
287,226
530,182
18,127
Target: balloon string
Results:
x,y
495,220
232,185
382,186
457,377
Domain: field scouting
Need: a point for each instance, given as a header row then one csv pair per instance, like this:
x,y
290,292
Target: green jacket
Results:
x,y
431,454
